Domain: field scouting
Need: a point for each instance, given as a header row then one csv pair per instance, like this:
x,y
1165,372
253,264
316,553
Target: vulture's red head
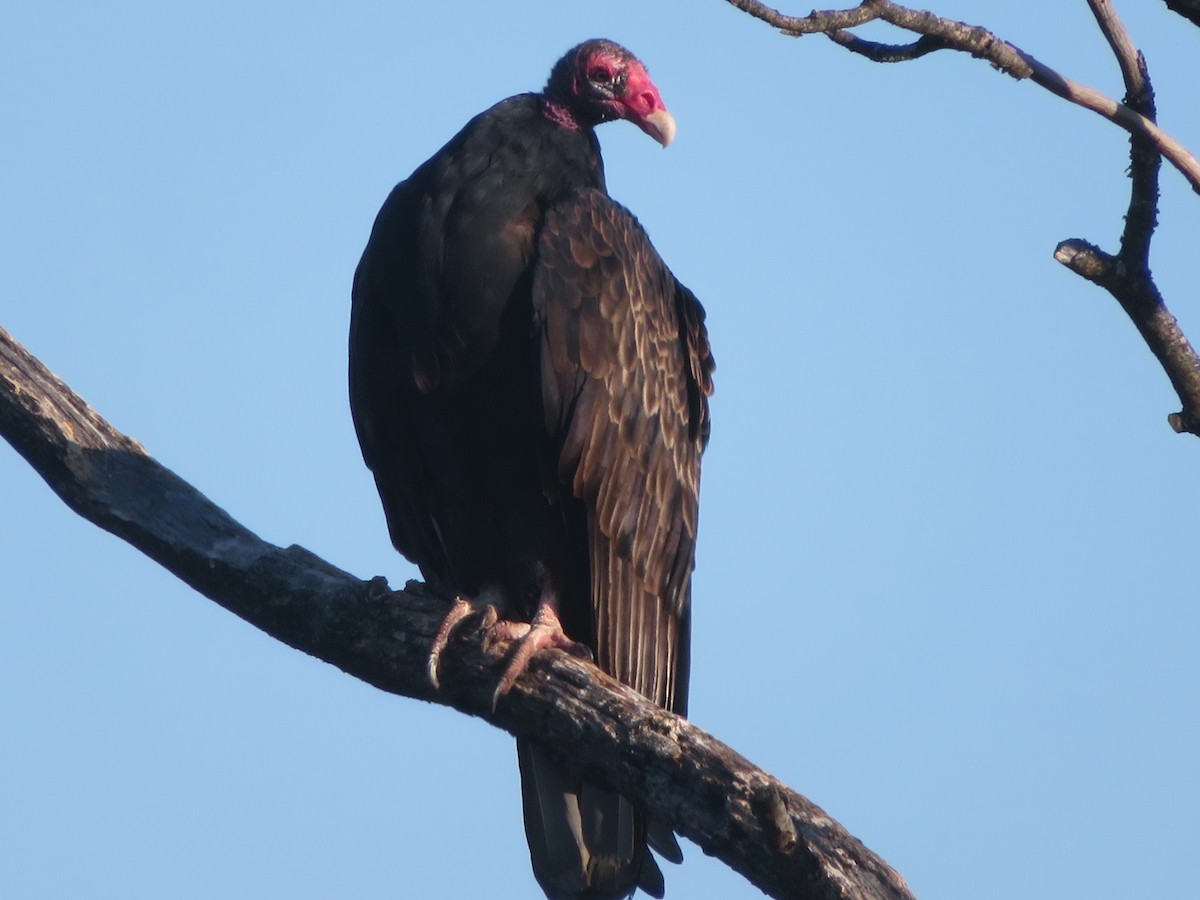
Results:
x,y
599,81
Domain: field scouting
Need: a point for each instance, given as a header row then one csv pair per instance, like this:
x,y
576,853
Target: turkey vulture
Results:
x,y
529,384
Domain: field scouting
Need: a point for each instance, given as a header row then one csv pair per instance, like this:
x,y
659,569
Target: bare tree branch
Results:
x,y
1145,163
776,838
979,42
1141,300
1126,275
814,23
888,53
1122,46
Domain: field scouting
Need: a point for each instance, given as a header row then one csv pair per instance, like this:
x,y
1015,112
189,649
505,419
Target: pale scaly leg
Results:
x,y
544,631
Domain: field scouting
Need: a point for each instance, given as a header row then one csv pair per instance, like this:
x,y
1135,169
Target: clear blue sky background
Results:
x,y
946,577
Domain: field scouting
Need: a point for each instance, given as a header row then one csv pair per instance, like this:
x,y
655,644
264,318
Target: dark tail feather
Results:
x,y
662,841
585,841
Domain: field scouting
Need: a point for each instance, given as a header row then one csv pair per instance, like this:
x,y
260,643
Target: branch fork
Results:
x,y
1126,274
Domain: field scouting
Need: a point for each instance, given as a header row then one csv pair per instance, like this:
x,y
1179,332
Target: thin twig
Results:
x,y
981,43
888,53
1127,275
1122,46
814,23
1145,163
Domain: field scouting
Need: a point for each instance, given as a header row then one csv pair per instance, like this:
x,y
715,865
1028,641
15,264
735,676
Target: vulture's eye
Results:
x,y
601,76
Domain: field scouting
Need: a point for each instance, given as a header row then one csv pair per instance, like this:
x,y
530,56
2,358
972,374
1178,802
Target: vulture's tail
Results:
x,y
585,841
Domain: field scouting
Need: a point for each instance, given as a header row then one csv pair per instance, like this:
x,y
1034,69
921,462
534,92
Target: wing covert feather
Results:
x,y
626,374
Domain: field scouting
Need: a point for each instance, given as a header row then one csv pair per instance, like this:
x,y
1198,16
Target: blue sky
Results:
x,y
944,581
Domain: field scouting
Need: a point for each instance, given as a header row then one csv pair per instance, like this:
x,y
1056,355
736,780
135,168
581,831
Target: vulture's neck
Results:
x,y
560,114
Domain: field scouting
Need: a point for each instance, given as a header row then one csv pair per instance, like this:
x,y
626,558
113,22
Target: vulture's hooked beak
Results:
x,y
660,125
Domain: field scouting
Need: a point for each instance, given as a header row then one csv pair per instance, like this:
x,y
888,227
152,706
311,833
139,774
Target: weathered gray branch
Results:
x,y
814,23
1140,298
776,838
947,34
1127,274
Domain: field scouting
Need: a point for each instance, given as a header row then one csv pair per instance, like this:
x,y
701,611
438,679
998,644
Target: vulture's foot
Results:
x,y
461,609
544,631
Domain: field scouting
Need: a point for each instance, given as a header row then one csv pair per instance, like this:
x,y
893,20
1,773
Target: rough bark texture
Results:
x,y
736,812
1126,275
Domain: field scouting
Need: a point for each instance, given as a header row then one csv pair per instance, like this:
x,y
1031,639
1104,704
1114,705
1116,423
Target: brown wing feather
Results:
x,y
626,373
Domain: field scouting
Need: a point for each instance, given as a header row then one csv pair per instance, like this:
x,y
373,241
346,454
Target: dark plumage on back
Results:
x,y
529,384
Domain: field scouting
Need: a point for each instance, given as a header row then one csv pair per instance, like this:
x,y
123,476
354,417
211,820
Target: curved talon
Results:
x,y
528,638
454,618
